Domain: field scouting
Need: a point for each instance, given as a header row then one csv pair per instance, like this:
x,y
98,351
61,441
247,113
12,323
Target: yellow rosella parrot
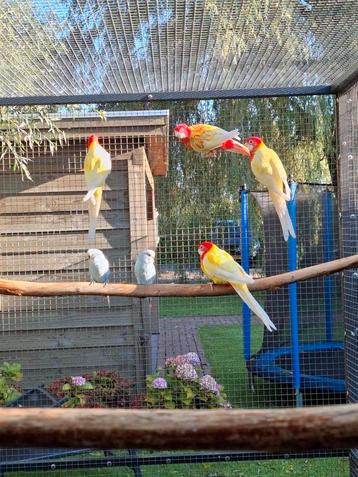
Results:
x,y
97,167
268,169
220,267
205,139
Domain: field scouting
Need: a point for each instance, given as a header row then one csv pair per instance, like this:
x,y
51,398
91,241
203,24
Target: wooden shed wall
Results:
x,y
43,227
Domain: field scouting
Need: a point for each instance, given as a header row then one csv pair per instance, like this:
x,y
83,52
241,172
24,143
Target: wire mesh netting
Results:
x,y
349,212
170,352
76,47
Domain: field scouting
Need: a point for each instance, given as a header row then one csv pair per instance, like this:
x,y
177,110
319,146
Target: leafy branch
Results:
x,y
24,129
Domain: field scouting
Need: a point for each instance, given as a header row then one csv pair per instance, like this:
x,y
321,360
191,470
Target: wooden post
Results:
x,y
282,430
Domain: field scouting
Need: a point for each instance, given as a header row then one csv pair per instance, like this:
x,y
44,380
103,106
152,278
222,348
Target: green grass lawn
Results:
x,y
202,306
228,366
337,467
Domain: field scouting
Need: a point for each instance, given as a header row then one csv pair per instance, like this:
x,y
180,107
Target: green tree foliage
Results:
x,y
22,129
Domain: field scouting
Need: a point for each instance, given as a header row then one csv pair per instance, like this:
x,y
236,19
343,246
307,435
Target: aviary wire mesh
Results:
x,y
77,47
348,173
120,350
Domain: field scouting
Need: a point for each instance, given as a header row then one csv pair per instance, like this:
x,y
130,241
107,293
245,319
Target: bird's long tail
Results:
x,y
222,136
93,211
90,196
245,295
282,212
108,301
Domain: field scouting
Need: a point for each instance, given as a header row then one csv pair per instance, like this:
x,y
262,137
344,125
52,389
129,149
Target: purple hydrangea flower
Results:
x,y
208,383
159,383
78,380
192,358
186,372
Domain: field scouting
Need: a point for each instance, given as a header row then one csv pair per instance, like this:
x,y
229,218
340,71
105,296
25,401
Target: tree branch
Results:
x,y
22,288
283,430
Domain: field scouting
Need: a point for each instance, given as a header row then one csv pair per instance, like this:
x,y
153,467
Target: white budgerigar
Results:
x,y
98,267
144,268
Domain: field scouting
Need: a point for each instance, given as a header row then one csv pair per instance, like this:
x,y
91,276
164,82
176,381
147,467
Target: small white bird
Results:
x,y
144,268
98,267
145,273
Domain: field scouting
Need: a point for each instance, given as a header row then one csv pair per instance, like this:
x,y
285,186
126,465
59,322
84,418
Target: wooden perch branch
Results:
x,y
283,430
22,288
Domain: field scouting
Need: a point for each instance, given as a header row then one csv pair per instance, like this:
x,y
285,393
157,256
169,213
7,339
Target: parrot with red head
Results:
x,y
97,167
206,139
220,267
269,171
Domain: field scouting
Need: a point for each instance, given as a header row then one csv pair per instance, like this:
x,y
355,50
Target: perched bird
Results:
x,y
205,139
97,167
144,268
268,169
220,267
145,273
98,267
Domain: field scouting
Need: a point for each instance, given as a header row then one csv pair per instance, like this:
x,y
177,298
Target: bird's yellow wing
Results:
x,y
92,161
268,169
221,267
277,166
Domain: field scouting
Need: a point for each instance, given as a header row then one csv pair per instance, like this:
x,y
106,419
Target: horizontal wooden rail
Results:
x,y
22,288
283,430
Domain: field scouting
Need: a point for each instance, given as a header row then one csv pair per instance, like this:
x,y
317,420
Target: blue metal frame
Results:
x,y
245,263
292,266
327,238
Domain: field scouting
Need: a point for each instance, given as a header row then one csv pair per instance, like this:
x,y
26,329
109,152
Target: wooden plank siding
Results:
x,y
43,229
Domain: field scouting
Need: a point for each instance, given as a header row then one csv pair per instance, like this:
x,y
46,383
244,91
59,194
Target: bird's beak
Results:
x,y
248,147
242,148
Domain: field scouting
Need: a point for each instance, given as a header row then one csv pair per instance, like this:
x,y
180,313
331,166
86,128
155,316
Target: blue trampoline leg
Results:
x,y
245,263
328,255
292,266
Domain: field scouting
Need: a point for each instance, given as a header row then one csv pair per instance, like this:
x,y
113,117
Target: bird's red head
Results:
x,y
182,132
91,139
203,248
252,143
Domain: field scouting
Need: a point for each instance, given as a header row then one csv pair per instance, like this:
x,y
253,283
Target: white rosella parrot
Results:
x,y
98,267
97,167
220,267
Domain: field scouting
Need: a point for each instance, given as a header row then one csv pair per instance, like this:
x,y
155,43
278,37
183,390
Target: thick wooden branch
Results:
x,y
22,288
281,430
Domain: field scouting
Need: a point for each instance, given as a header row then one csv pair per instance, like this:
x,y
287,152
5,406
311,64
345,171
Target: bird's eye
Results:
x,y
250,142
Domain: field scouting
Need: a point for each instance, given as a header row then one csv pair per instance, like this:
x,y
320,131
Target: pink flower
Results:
x,y
186,372
174,362
159,383
192,358
208,383
78,380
